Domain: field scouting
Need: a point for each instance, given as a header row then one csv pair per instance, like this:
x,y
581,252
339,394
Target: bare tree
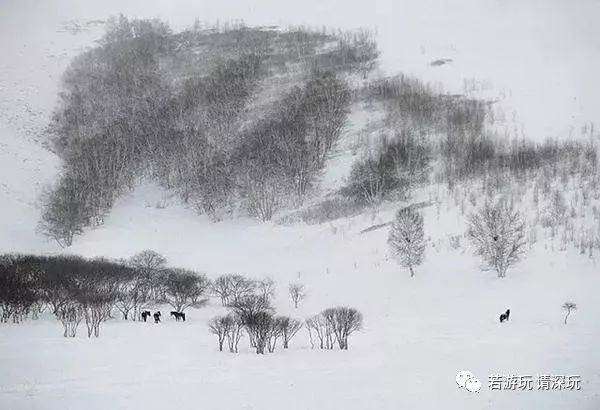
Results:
x,y
63,215
255,313
260,327
288,328
318,326
343,321
241,287
569,306
125,302
233,286
234,332
70,315
265,287
148,261
219,326
97,310
222,287
297,293
406,238
184,288
498,234
147,281
275,331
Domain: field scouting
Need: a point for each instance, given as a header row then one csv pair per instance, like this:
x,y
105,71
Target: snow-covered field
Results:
x,y
418,332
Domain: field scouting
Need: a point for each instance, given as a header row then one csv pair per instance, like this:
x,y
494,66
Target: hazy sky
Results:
x,y
541,57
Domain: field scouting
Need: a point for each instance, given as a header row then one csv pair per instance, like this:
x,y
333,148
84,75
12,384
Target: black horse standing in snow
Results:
x,y
145,315
178,315
504,316
157,317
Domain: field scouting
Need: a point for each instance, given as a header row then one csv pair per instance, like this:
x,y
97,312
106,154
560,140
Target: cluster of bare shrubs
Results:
x,y
77,290
251,313
232,287
333,325
249,303
178,107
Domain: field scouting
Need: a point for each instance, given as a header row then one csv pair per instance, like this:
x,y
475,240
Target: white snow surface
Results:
x,y
539,56
419,332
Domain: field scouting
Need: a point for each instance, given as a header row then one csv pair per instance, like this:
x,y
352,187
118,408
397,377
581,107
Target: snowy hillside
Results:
x,y
418,332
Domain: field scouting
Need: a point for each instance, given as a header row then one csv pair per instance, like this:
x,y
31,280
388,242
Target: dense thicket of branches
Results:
x,y
399,165
453,134
180,107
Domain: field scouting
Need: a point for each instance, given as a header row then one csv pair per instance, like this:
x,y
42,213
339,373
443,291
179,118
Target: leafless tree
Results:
x,y
96,310
240,287
63,216
184,288
297,293
70,315
234,332
406,238
148,260
568,307
146,284
318,326
498,234
343,321
288,328
260,328
125,301
274,333
220,326
222,287
255,313
265,287
233,286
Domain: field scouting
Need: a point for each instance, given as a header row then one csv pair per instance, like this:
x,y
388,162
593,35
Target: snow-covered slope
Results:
x,y
546,93
418,332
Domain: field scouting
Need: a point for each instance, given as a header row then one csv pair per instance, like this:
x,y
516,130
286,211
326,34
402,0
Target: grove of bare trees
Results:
x,y
78,290
180,108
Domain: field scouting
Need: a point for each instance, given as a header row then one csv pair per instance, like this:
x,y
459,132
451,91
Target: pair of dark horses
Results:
x,y
146,314
177,315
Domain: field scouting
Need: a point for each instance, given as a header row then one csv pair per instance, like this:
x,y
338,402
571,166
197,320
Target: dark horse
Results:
x,y
157,317
504,316
145,315
178,315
